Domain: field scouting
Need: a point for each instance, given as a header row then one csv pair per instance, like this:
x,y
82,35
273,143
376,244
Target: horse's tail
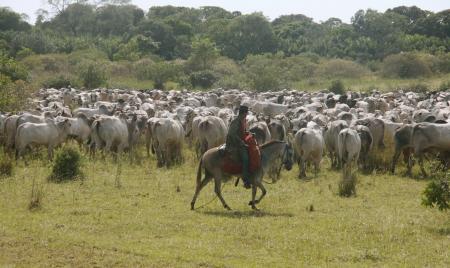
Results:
x,y
199,172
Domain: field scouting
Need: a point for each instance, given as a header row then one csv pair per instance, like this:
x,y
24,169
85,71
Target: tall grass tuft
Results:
x,y
6,167
347,186
67,165
36,196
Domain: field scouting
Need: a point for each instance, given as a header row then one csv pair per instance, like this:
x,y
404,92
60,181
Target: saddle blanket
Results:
x,y
232,167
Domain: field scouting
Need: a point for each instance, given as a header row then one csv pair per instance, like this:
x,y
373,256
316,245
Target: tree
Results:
x,y
77,19
248,34
203,54
12,21
117,20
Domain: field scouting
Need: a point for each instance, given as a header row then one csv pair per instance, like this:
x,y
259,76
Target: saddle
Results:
x,y
234,167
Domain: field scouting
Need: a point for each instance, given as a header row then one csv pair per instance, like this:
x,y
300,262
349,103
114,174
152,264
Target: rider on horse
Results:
x,y
235,144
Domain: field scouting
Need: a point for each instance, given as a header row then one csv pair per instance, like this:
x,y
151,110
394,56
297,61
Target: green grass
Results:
x,y
147,222
129,82
375,82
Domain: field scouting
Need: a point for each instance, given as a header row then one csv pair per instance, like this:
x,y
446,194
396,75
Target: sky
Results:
x,y
319,10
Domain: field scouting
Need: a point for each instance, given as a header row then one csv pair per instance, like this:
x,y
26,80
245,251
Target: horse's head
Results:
x,y
288,156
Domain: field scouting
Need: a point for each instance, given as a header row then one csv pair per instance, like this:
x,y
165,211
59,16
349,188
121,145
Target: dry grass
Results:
x,y
147,221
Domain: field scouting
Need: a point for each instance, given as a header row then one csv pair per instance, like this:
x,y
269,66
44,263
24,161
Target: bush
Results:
x,y
14,96
444,86
405,65
418,88
338,68
60,81
203,79
67,165
12,69
347,186
337,87
93,76
437,193
6,167
262,72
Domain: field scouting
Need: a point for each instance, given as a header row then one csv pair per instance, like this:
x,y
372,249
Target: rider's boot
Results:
x,y
245,169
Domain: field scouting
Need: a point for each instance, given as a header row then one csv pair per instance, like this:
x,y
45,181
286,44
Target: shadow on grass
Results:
x,y
245,214
444,231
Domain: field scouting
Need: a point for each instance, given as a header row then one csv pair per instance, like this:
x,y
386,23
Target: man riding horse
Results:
x,y
235,144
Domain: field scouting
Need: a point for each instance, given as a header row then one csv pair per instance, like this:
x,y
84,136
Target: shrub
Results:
x,y
203,79
418,88
12,69
262,72
437,194
337,87
36,196
93,76
338,68
14,96
60,81
444,86
347,186
405,65
67,165
6,167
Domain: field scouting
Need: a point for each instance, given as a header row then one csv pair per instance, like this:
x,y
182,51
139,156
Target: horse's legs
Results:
x,y
253,202
199,187
217,189
263,190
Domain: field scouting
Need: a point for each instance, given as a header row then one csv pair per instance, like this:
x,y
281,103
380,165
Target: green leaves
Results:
x,y
437,194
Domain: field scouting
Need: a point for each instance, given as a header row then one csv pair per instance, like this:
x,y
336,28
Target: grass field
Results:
x,y
137,215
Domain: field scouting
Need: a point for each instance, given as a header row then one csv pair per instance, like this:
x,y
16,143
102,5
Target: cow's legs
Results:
x,y
394,160
422,168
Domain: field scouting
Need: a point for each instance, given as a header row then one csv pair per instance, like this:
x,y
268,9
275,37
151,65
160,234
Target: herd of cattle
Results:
x,y
349,128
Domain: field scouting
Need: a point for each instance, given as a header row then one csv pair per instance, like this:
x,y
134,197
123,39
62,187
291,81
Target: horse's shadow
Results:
x,y
245,214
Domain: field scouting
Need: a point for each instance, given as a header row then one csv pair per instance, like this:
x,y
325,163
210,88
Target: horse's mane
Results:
x,y
269,143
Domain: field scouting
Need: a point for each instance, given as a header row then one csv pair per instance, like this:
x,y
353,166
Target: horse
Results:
x,y
213,160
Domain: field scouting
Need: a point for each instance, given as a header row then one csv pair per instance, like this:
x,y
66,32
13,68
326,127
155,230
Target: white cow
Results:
x,y
212,132
110,132
331,140
349,146
308,146
51,133
167,138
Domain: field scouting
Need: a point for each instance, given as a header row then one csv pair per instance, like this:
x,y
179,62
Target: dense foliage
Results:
x,y
210,46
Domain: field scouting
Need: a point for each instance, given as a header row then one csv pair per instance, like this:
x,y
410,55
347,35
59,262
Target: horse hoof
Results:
x,y
227,208
255,208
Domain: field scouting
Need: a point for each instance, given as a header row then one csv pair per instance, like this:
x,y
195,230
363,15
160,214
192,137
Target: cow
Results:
x,y
167,139
261,132
308,147
212,132
349,147
366,144
51,133
402,141
331,140
90,113
428,137
277,130
111,133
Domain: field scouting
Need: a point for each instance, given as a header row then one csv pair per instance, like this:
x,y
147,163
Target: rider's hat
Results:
x,y
243,109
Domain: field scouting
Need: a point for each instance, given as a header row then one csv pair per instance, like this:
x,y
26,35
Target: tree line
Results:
x,y
200,37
